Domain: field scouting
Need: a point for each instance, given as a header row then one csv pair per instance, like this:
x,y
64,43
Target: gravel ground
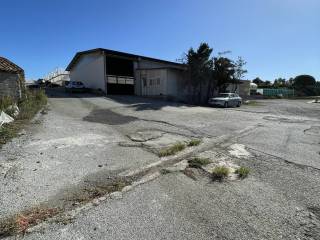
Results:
x,y
85,135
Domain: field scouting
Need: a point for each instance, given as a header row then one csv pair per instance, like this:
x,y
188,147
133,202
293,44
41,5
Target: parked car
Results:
x,y
226,100
74,86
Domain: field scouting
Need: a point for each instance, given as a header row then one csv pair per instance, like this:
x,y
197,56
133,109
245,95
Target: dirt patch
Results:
x,y
106,116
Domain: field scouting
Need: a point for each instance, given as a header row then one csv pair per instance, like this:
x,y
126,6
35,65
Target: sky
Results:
x,y
277,38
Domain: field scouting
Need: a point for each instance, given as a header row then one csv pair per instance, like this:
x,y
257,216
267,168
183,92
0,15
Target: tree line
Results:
x,y
302,84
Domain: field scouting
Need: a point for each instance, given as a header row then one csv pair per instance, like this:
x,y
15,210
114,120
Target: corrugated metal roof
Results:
x,y
8,66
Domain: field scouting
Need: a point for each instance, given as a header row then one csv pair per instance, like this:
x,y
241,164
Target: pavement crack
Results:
x,y
304,166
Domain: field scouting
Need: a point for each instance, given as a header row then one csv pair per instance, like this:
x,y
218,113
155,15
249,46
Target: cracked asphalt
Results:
x,y
84,135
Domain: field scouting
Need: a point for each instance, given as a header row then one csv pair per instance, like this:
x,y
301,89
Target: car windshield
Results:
x,y
223,95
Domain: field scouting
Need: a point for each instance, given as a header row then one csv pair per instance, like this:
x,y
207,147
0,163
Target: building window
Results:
x,y
158,81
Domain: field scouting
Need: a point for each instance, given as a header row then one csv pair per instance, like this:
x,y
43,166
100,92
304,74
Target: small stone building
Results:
x,y
12,80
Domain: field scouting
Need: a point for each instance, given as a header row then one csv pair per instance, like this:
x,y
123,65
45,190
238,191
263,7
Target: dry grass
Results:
x,y
178,147
21,222
28,107
220,173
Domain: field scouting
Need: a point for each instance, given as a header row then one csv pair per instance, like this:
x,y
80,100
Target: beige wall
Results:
x,y
90,70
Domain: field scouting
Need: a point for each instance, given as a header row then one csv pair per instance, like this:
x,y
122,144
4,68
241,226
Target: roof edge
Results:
x,y
117,53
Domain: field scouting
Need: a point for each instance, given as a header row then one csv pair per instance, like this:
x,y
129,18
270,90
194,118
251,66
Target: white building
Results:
x,y
116,72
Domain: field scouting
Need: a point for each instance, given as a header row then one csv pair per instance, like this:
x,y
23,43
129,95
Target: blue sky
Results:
x,y
278,38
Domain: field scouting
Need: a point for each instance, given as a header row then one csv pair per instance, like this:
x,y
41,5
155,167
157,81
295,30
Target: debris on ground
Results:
x,y
5,118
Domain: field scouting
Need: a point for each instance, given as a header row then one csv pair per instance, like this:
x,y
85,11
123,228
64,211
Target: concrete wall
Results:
x,y
152,82
242,89
163,82
177,84
90,70
11,85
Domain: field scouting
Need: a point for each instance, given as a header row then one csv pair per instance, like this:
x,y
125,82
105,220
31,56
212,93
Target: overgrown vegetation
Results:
x,y
21,222
198,162
172,150
243,172
194,142
31,103
220,173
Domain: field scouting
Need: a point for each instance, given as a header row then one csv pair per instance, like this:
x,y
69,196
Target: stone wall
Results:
x,y
11,84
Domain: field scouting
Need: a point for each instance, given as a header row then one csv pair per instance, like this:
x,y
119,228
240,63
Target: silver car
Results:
x,y
226,100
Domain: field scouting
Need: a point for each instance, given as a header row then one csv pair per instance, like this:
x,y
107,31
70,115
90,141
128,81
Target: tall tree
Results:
x,y
224,70
200,65
304,84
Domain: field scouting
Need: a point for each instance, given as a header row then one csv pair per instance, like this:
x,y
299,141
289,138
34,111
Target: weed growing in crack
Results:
x,y
198,162
194,142
178,147
243,172
220,173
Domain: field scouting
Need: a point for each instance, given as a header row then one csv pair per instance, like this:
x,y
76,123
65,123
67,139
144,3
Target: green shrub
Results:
x,y
220,173
194,142
178,147
198,162
243,172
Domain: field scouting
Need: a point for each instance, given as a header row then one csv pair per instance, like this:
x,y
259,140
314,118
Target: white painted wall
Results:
x,y
153,82
90,70
161,82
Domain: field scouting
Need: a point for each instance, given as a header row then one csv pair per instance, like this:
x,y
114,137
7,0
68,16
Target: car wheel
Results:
x,y
225,104
239,104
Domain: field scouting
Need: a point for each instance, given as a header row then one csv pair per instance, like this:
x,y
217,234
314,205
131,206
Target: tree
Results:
x,y
224,70
279,82
258,81
304,84
303,81
239,71
200,65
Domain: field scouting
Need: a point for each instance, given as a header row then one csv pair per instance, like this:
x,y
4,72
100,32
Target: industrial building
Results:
x,y
116,72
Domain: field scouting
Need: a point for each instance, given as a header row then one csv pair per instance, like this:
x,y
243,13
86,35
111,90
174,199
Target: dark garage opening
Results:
x,y
120,76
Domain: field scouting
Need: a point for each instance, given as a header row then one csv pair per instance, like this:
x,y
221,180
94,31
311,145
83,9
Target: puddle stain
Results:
x,y
106,116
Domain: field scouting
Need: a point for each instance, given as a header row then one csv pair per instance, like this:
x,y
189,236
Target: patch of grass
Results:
x,y
194,142
220,173
198,162
243,172
178,147
29,106
9,131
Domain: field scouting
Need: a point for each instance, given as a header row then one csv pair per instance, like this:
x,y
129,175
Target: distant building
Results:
x,y
116,72
242,88
57,76
12,80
